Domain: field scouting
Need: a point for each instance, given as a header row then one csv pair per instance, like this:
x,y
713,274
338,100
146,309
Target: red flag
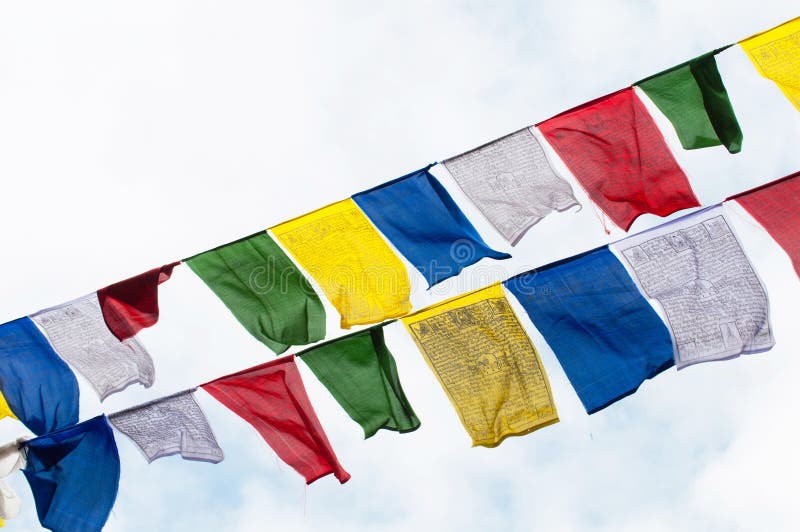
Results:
x,y
619,156
131,305
272,398
776,206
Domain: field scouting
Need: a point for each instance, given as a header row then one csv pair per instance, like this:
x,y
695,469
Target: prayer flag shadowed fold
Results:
x,y
272,398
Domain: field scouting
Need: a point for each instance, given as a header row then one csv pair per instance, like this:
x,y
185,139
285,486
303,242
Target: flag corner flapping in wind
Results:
x,y
776,55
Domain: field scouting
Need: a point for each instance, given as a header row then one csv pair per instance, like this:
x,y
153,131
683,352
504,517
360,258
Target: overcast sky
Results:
x,y
134,134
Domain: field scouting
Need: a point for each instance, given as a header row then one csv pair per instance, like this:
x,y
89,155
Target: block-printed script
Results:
x,y
779,60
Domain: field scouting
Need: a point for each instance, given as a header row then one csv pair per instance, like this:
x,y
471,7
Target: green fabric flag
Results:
x,y
264,290
361,374
694,99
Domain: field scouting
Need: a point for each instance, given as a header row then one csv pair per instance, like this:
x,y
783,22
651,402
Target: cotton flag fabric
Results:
x,y
170,425
487,365
39,387
776,56
5,410
418,216
272,398
696,270
358,271
605,335
11,461
74,476
264,290
80,336
512,183
693,97
361,374
616,152
132,305
776,206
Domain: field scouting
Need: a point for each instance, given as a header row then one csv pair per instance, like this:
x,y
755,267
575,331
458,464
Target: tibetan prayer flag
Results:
x,y
272,398
606,336
776,55
358,271
695,268
361,374
5,410
486,364
80,336
418,216
776,206
619,156
170,425
693,97
512,183
264,290
74,476
40,388
11,461
131,305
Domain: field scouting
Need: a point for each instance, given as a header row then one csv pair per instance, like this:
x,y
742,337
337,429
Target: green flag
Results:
x,y
361,374
264,290
694,99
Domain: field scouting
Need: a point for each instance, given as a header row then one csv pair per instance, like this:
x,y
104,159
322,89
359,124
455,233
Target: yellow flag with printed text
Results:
x,y
776,55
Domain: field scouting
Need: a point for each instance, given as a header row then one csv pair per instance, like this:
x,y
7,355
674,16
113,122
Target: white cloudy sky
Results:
x,y
134,134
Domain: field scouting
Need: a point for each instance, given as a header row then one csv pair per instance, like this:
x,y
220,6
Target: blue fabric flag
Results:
x,y
604,333
39,387
74,476
416,213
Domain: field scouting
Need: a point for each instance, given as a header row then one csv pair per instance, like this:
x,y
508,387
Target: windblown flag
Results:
x,y
776,55
486,364
272,398
361,374
40,388
79,334
264,290
131,305
512,183
11,461
5,410
695,268
170,425
74,476
693,97
422,221
606,336
356,268
776,206
619,156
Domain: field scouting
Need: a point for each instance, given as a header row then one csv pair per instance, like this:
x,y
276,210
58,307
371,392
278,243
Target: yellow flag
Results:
x,y
341,249
5,410
776,55
486,364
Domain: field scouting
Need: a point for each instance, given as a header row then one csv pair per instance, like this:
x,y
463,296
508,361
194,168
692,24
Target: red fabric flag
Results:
x,y
272,398
131,305
776,206
619,156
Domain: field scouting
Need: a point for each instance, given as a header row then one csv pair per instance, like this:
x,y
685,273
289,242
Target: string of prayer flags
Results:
x,y
358,271
170,425
39,387
776,206
361,374
512,183
487,365
693,97
776,55
80,336
606,336
272,398
264,290
695,268
5,410
132,305
418,216
616,152
74,476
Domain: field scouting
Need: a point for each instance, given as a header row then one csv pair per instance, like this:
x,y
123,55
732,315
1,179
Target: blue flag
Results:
x,y
418,216
39,387
74,476
606,336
